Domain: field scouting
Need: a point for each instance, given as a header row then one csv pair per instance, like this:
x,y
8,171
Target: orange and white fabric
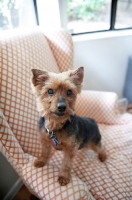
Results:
x,y
94,104
22,50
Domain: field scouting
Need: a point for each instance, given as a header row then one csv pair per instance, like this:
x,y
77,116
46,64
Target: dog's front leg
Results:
x,y
45,151
65,171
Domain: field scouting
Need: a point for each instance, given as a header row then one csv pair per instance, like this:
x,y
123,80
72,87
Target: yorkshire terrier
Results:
x,y
59,126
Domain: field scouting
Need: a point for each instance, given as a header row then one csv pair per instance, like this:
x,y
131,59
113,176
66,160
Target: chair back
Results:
x,y
20,51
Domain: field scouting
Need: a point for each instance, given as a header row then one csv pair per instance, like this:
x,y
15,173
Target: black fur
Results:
x,y
85,129
41,124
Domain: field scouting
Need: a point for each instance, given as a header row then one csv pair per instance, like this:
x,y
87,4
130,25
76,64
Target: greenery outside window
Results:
x,y
78,16
98,15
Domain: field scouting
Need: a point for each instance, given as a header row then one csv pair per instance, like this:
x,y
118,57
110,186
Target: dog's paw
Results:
x,y
39,163
63,180
102,156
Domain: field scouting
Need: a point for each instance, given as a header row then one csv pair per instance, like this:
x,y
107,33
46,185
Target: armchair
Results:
x,y
22,50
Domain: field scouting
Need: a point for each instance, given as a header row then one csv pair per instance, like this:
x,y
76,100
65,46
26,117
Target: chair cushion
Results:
x,y
44,184
111,179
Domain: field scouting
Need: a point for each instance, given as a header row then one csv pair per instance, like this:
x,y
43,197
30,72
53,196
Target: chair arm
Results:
x,y
61,45
9,145
101,106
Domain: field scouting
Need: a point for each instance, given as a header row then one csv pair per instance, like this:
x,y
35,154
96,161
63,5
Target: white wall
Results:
x,y
105,58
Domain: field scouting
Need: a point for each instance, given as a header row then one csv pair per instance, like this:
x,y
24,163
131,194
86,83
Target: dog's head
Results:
x,y
56,93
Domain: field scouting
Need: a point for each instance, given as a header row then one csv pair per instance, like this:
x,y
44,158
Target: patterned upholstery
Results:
x,y
93,104
61,45
19,52
48,187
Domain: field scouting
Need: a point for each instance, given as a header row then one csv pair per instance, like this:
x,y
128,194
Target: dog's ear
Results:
x,y
39,77
77,75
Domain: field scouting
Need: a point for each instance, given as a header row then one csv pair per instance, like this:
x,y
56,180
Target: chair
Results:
x,y
22,50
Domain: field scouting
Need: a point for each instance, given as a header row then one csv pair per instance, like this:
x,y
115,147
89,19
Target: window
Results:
x,y
98,15
124,14
78,16
17,13
48,14
88,15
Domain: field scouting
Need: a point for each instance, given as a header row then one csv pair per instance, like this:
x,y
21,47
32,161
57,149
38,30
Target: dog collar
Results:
x,y
51,133
53,140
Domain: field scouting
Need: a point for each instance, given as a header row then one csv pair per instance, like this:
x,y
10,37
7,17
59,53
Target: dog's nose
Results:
x,y
61,107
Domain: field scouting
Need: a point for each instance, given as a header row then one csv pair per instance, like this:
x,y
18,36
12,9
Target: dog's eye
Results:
x,y
50,92
69,92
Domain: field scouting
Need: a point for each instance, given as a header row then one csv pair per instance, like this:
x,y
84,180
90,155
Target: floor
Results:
x,y
24,194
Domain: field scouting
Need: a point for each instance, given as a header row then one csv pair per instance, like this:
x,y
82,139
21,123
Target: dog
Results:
x,y
59,126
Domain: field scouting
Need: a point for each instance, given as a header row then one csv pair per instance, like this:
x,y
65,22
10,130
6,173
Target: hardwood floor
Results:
x,y
24,194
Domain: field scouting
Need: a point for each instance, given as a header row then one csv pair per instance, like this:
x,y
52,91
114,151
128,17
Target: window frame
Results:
x,y
113,16
63,17
36,11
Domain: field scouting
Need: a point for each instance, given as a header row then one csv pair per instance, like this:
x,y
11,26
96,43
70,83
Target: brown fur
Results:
x,y
72,80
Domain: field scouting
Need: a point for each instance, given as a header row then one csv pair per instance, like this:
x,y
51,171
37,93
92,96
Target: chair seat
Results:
x,y
90,177
42,182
